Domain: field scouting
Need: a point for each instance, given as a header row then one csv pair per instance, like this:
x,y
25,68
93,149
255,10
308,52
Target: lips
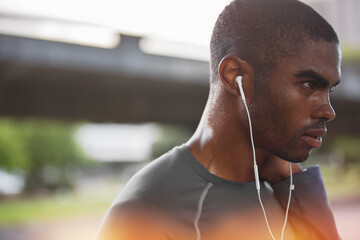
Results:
x,y
313,137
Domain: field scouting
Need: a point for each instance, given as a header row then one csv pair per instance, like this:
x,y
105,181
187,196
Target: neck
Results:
x,y
222,144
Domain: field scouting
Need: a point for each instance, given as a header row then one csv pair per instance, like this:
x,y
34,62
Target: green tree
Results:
x,y
350,146
44,150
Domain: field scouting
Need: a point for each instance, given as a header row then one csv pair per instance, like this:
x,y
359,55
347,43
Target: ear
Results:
x,y
229,68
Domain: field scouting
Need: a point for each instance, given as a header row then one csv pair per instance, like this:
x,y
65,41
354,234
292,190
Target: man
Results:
x,y
288,58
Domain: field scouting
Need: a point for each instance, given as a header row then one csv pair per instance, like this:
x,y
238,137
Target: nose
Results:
x,y
325,111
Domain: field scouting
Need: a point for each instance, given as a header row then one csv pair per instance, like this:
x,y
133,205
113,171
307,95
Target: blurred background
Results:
x,y
92,91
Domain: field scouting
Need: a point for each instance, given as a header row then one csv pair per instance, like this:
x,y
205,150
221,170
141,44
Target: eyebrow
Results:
x,y
323,82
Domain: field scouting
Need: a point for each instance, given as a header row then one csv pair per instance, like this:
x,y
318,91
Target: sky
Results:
x,y
185,21
174,28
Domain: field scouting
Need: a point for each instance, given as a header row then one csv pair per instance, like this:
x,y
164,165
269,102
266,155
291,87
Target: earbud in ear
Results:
x,y
238,79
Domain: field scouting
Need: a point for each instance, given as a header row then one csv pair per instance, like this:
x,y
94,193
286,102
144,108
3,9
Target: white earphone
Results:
x,y
238,80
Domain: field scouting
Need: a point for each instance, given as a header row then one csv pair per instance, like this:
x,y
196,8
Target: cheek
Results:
x,y
276,117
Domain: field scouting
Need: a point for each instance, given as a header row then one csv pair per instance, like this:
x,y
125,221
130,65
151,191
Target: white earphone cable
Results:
x,y
292,187
199,210
256,173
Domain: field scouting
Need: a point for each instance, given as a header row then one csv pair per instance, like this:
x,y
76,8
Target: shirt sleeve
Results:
x,y
310,212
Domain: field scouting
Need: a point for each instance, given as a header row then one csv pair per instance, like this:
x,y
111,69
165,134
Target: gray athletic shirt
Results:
x,y
199,205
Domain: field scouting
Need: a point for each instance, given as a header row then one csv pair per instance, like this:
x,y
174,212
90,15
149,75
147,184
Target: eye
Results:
x,y
309,84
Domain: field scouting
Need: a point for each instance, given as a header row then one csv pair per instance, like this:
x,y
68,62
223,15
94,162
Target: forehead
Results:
x,y
322,57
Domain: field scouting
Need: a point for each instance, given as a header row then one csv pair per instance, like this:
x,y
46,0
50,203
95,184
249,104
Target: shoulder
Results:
x,y
166,184
148,199
158,177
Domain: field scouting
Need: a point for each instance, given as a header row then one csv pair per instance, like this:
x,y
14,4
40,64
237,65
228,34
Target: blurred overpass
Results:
x,y
59,80
71,82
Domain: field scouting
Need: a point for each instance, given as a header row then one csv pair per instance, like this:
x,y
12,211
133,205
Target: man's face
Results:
x,y
290,112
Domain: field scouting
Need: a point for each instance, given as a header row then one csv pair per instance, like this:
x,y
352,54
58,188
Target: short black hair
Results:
x,y
262,32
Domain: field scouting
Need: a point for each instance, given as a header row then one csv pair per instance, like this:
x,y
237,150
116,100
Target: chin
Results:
x,y
297,157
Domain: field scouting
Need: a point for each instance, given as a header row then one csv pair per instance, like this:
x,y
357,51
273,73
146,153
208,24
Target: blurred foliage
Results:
x,y
339,160
43,150
350,52
350,147
341,184
170,136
